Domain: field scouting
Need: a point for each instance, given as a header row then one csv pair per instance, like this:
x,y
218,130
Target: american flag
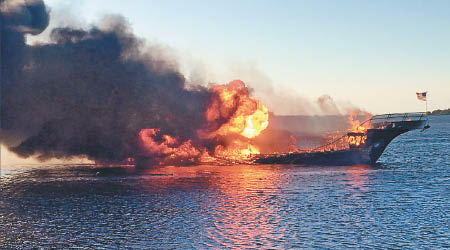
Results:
x,y
422,96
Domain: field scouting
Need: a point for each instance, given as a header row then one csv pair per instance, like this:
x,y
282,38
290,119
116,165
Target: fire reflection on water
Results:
x,y
203,207
358,176
242,205
245,210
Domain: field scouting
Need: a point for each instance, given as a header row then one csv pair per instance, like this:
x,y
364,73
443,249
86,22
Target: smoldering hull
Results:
x,y
341,157
377,139
368,153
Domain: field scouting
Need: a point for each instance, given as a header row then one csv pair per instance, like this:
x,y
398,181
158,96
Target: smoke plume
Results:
x,y
102,93
87,92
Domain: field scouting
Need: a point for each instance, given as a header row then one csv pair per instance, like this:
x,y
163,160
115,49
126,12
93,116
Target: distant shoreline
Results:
x,y
439,112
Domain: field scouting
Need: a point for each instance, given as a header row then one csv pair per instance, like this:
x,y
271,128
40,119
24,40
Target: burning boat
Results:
x,y
125,103
235,130
363,145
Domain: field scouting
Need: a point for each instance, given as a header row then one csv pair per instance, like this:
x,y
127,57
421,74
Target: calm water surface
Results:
x,y
401,203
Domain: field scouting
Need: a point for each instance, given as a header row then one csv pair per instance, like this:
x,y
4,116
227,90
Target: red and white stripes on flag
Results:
x,y
422,96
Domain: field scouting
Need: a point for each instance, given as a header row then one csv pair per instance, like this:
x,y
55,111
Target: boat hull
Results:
x,y
367,153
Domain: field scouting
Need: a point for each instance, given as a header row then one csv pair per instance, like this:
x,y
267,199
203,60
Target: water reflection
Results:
x,y
224,207
358,176
246,215
221,206
245,211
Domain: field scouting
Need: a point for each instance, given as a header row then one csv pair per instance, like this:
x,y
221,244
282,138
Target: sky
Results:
x,y
373,54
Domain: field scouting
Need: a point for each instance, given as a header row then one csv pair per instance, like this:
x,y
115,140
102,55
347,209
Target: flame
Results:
x,y
357,140
256,122
334,141
236,150
246,117
168,149
357,127
249,150
233,118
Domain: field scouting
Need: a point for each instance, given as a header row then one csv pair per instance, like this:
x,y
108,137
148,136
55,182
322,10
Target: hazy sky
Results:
x,y
374,54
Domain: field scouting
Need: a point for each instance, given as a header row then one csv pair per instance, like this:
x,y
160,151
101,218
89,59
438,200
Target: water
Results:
x,y
401,203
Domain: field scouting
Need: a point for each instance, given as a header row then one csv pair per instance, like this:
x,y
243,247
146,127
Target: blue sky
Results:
x,y
372,54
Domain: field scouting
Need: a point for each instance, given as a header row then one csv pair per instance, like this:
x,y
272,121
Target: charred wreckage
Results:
x,y
363,147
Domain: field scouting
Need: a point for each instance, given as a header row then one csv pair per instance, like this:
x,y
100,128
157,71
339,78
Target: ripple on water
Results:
x,y
402,202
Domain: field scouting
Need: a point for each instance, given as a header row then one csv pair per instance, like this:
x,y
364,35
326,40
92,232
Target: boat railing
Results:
x,y
397,117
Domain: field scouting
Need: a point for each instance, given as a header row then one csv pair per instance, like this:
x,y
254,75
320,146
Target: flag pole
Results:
x,y
426,109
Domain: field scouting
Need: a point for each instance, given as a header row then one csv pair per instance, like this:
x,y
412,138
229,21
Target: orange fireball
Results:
x,y
236,116
245,115
232,117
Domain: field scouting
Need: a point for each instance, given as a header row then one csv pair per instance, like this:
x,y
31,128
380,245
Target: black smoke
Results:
x,y
87,92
